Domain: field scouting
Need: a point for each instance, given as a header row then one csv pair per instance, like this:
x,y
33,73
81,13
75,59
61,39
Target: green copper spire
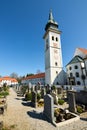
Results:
x,y
51,16
51,22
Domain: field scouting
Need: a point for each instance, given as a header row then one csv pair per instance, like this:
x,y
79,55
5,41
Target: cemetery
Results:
x,y
59,105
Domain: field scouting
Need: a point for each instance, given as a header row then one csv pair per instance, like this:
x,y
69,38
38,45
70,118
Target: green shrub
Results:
x,y
5,87
28,96
79,109
61,101
53,88
23,89
4,93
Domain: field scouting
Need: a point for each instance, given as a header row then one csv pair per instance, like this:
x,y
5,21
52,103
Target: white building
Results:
x,y
8,81
34,79
77,68
54,73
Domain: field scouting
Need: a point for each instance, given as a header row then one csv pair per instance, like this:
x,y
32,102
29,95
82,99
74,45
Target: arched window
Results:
x,y
70,68
77,74
56,64
76,67
52,37
57,83
71,74
56,39
78,83
56,72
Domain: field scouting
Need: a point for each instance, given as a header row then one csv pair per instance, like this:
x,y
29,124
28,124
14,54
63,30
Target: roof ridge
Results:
x,y
83,50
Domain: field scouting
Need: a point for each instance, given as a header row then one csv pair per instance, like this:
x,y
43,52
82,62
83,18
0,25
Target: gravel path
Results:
x,y
20,116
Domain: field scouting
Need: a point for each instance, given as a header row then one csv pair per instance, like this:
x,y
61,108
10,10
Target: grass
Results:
x,y
61,101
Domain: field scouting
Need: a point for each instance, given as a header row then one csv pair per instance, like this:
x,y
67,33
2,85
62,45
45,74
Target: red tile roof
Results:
x,y
40,75
83,50
8,78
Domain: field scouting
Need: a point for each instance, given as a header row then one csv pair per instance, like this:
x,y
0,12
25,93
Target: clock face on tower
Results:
x,y
54,44
55,53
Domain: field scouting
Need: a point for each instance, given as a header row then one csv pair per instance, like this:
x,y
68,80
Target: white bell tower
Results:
x,y
53,54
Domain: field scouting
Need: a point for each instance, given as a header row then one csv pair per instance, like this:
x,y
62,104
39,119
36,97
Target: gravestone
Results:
x,y
53,94
32,88
43,92
59,90
36,88
49,107
72,102
34,99
29,86
48,89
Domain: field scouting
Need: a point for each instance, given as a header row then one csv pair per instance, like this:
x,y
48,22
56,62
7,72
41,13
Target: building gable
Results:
x,y
76,59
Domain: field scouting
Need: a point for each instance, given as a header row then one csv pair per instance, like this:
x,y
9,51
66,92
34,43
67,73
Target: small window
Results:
x,y
56,39
56,64
78,83
56,72
77,74
71,75
76,67
52,37
70,68
57,83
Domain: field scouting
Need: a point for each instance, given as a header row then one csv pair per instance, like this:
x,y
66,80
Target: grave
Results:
x,y
53,94
43,93
34,99
72,102
57,116
49,107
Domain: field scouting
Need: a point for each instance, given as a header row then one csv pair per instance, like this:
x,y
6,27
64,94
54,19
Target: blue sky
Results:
x,y
22,24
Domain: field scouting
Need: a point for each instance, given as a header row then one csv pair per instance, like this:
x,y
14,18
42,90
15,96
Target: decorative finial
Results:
x,y
51,16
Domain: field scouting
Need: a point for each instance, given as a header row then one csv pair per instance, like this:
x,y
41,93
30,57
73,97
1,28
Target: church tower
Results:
x,y
53,54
